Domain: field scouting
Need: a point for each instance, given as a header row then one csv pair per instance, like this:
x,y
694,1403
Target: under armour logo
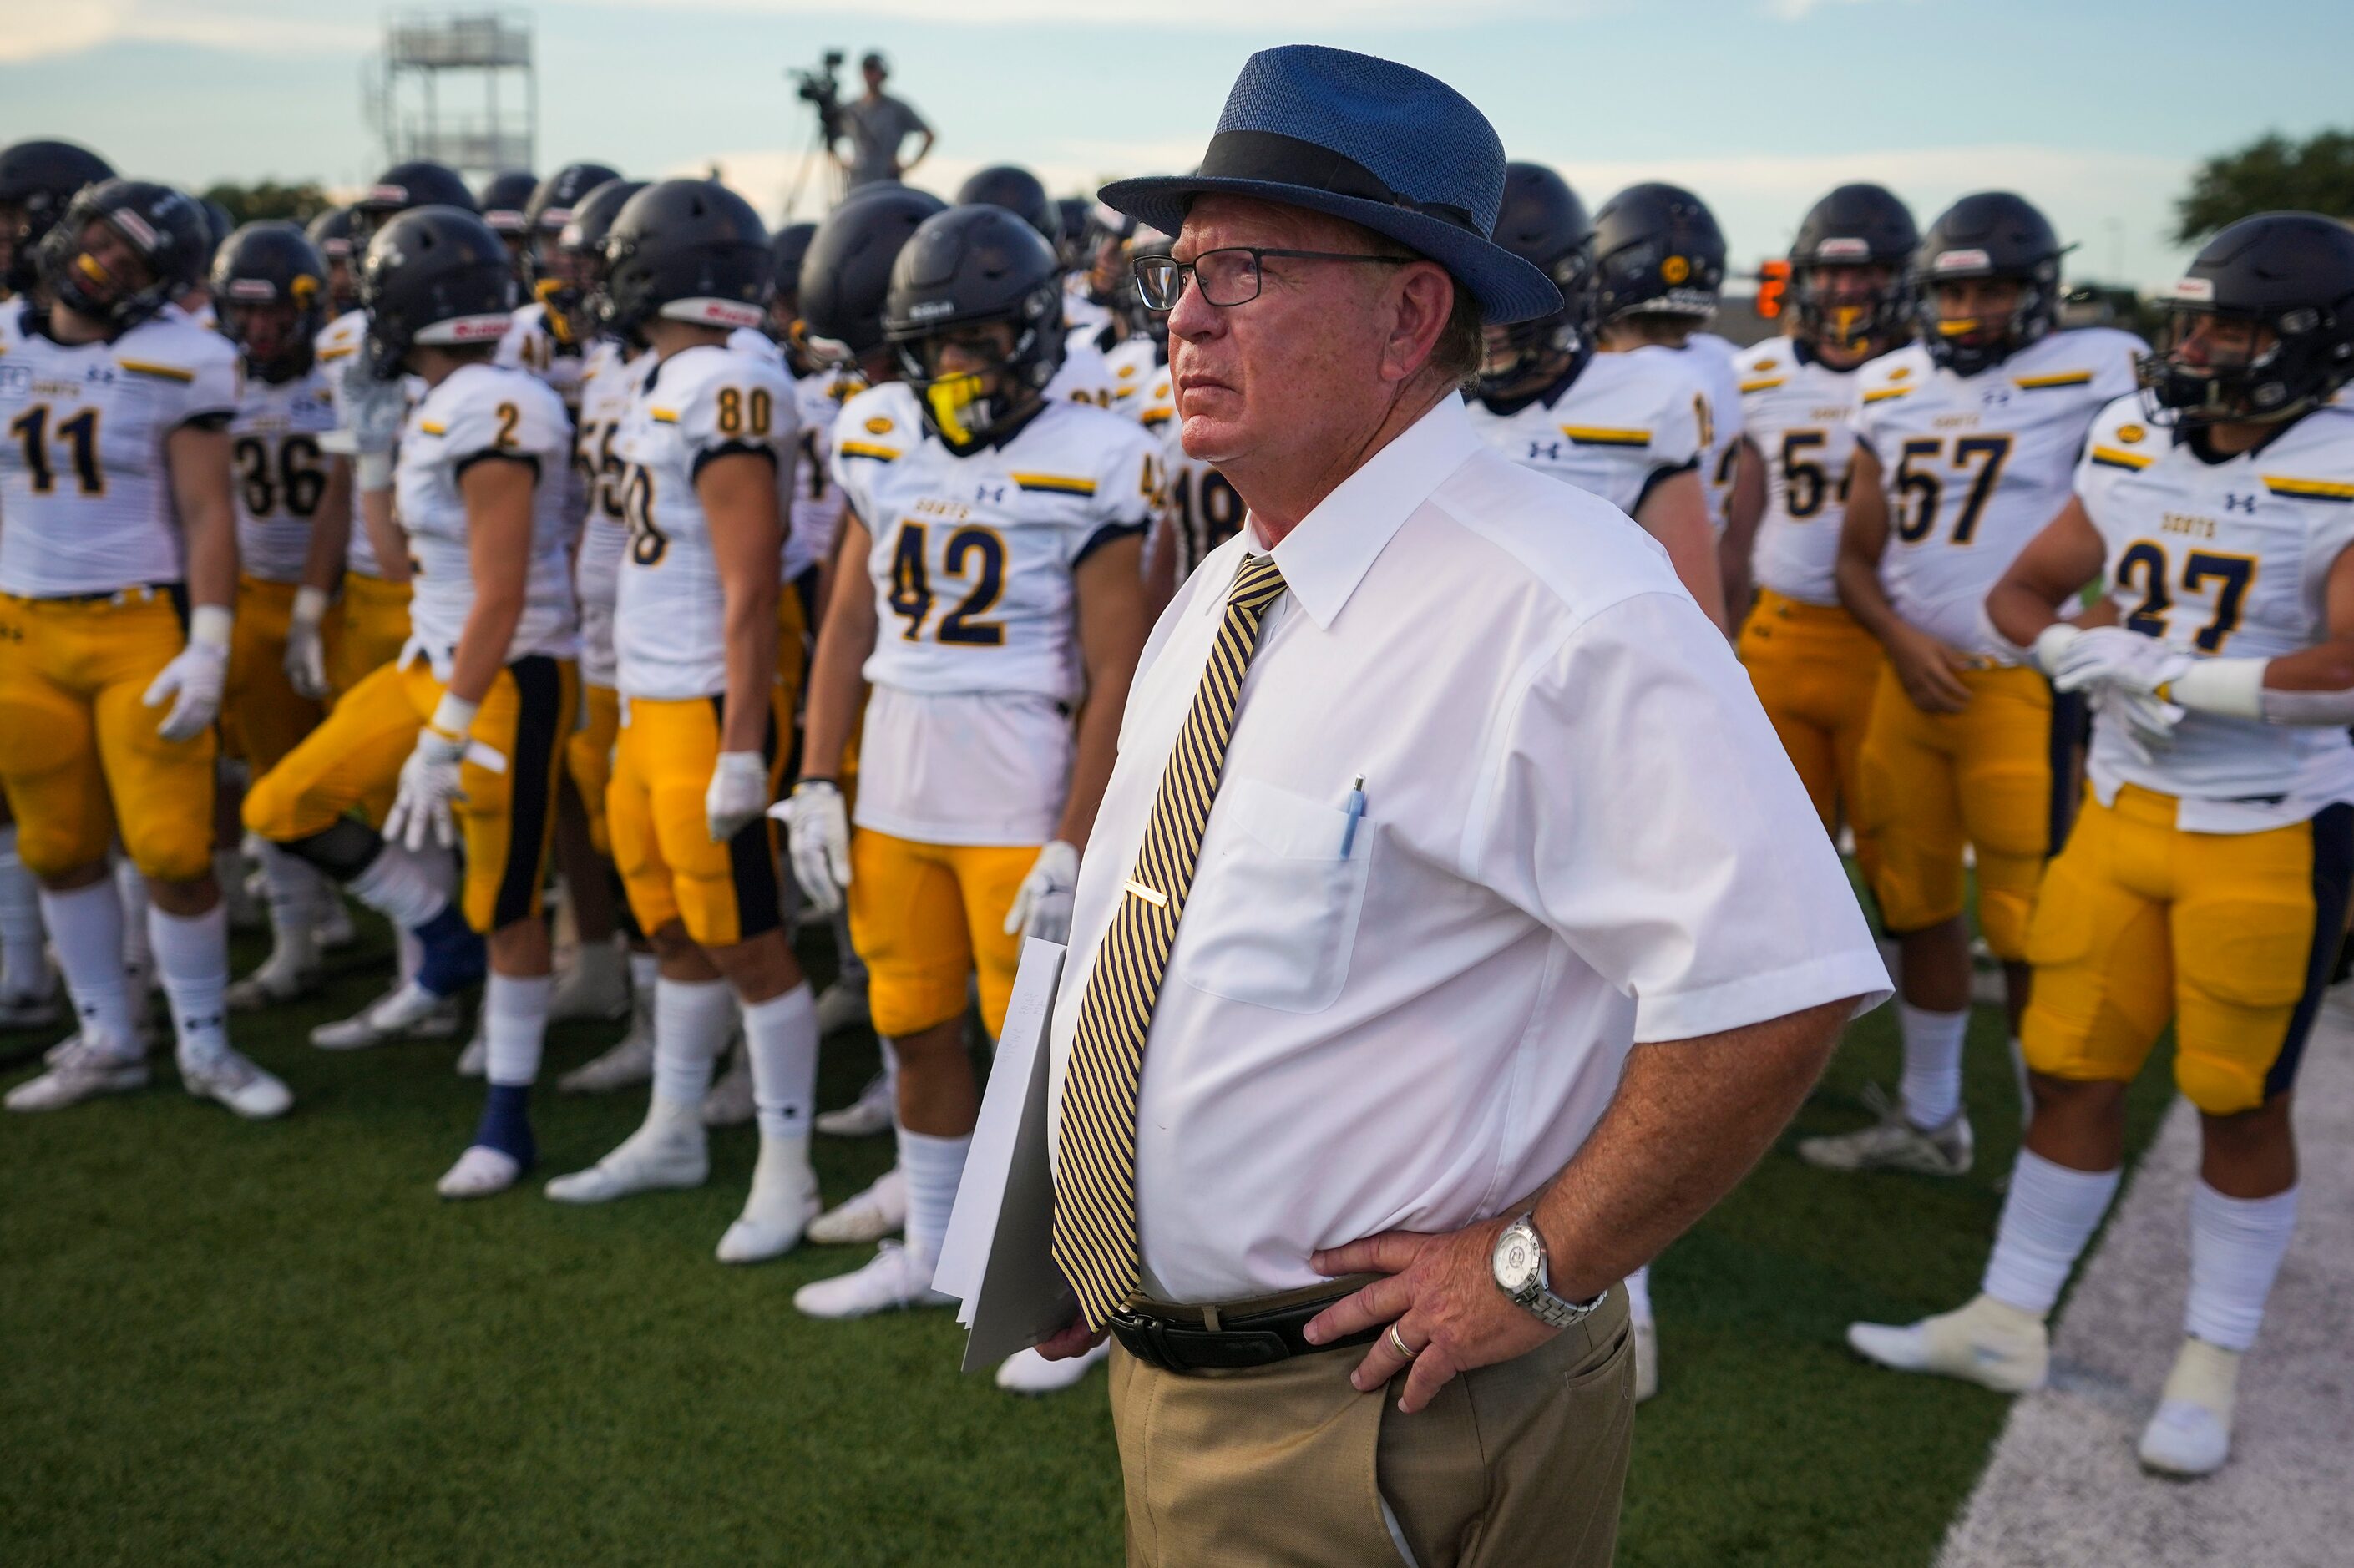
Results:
x,y
2240,503
1998,396
1545,451
988,494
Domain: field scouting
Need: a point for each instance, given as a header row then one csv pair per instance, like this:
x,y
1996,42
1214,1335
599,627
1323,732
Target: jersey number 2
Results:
x,y
977,552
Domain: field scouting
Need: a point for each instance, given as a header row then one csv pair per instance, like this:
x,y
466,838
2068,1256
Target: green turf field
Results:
x,y
227,1343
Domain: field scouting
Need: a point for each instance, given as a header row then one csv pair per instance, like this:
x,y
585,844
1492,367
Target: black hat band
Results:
x,y
1287,160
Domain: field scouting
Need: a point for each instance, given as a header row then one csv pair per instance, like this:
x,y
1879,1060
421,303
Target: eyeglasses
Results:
x,y
1227,276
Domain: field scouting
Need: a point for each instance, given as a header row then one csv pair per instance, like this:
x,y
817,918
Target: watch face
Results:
x,y
1515,1259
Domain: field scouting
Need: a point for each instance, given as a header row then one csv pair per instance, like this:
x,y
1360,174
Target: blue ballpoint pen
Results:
x,y
1356,810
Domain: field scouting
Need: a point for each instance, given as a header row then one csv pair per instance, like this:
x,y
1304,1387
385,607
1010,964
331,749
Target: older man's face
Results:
x,y
1302,357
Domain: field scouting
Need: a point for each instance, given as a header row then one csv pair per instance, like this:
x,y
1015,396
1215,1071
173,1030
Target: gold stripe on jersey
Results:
x,y
1884,393
1765,386
1058,483
162,372
430,428
663,416
1154,417
2057,378
2112,458
326,354
2310,489
868,450
1605,435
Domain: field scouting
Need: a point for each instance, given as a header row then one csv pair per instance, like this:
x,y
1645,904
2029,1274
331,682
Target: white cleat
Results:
x,y
79,1070
1988,1342
783,1201
878,1212
481,1172
864,1116
627,1063
333,931
1646,1358
233,1080
34,1008
475,1059
407,1011
596,989
1893,1143
729,1102
1027,1372
664,1155
285,976
895,1280
841,1007
2191,1433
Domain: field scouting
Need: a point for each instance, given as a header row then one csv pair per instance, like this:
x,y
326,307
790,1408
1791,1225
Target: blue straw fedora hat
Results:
x,y
1369,140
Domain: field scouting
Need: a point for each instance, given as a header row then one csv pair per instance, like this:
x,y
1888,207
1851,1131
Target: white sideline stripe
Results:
x,y
2063,1488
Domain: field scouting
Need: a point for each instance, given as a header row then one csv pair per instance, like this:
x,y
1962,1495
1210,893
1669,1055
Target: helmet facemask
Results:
x,y
1969,340
1850,307
973,378
100,268
2216,367
274,334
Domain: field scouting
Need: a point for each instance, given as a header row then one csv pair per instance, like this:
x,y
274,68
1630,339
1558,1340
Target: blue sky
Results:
x,y
2095,109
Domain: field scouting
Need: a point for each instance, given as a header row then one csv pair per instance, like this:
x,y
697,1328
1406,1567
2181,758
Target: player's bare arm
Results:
x,y
498,494
737,493
1110,585
2053,569
199,460
837,689
1925,666
1743,513
1676,513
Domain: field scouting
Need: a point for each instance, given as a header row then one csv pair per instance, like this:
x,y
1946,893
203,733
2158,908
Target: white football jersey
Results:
x,y
281,473
818,397
1080,313
669,621
976,659
85,484
1795,409
800,551
1203,510
1133,363
1615,427
338,342
1709,360
2227,560
479,413
1975,466
1084,377
530,344
608,382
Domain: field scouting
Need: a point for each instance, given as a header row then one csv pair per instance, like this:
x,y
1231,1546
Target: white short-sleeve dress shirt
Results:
x,y
1578,832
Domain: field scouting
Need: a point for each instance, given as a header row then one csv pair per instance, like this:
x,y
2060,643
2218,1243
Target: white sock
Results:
x,y
780,1037
645,976
933,1166
691,1019
192,962
397,885
21,932
2236,1247
1638,1294
514,1014
297,895
2048,1214
2018,1077
1932,1089
87,925
130,887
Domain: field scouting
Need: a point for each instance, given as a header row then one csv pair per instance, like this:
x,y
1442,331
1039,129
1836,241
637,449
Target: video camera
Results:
x,y
822,91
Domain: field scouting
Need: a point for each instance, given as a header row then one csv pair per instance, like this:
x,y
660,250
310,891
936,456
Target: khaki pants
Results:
x,y
1521,1462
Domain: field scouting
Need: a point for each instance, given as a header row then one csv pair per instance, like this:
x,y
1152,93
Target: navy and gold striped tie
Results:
x,y
1095,1186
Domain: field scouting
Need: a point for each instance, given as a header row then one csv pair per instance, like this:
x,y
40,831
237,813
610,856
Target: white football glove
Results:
x,y
306,645
817,833
192,682
738,795
2144,722
429,781
1042,905
2113,656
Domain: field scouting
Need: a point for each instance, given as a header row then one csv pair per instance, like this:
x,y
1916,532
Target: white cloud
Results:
x,y
1799,10
40,31
1299,18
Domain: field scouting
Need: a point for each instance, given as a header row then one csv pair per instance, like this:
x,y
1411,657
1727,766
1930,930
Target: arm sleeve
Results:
x,y
851,473
215,389
746,407
516,418
1675,431
1126,485
1643,810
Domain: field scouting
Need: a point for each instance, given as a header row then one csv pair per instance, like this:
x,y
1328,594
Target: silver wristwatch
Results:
x,y
1519,1263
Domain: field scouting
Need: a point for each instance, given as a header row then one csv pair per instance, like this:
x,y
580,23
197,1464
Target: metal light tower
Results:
x,y
458,88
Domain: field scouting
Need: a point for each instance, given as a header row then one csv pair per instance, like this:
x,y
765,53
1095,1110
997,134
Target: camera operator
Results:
x,y
876,126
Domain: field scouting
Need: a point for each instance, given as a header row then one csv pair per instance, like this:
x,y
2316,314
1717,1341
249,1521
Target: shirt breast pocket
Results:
x,y
1273,917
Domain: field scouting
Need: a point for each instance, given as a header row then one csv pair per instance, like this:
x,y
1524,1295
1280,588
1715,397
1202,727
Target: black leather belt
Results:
x,y
1188,1344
